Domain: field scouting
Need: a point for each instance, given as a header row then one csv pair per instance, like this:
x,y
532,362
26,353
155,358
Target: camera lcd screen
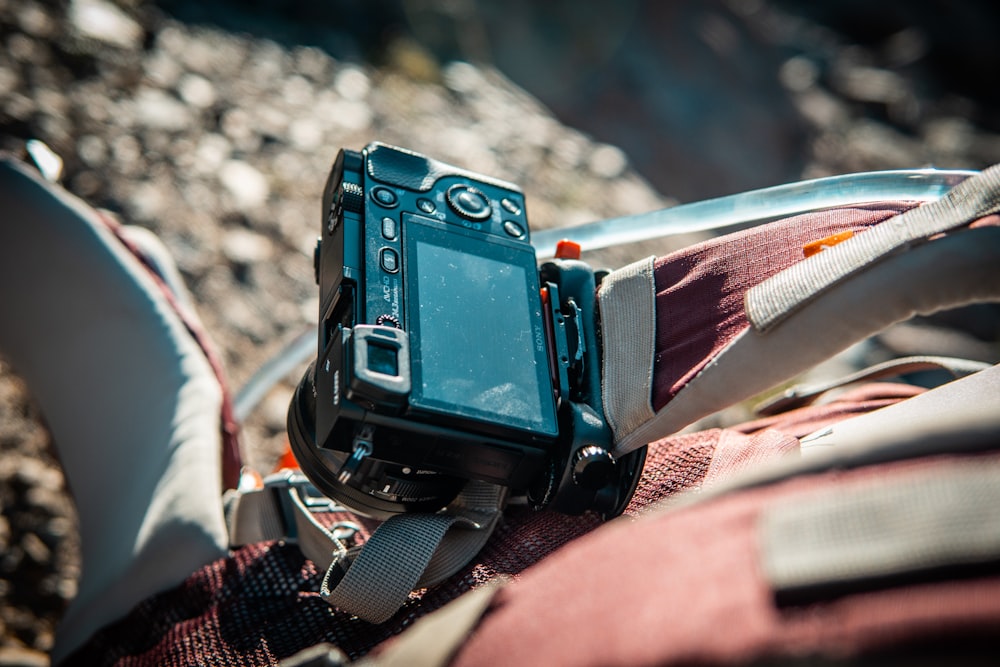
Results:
x,y
479,346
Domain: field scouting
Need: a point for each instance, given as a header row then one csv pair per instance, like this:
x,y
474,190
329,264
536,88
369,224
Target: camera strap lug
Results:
x,y
361,449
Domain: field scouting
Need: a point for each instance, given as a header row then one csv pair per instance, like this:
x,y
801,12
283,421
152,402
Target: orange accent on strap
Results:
x,y
814,247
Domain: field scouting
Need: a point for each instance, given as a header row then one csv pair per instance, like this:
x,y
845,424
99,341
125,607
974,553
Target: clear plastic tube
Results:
x,y
292,356
756,206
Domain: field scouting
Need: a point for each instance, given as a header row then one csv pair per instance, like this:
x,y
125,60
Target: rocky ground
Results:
x,y
214,125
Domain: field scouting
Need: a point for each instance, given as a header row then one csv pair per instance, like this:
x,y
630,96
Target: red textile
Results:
x,y
262,603
700,289
686,587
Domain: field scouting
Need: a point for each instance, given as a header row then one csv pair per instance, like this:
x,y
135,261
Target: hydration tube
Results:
x,y
290,357
756,206
745,208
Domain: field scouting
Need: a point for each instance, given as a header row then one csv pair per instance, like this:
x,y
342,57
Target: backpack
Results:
x,y
848,526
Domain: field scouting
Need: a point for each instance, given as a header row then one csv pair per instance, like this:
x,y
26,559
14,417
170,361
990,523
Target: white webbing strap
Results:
x,y
406,552
828,543
627,300
775,299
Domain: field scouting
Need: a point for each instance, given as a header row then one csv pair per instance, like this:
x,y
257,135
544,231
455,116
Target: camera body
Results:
x,y
445,354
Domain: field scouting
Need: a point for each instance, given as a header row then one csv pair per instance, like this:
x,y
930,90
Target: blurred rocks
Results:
x,y
97,19
710,98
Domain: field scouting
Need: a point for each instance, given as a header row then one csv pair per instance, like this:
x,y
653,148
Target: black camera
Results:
x,y
445,353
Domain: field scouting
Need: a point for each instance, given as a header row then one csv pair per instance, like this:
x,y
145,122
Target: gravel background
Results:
x,y
214,124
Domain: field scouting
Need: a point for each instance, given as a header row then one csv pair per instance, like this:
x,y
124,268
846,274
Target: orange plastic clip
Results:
x,y
814,247
566,249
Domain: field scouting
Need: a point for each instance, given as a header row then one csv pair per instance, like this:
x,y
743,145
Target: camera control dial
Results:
x,y
468,202
592,467
352,197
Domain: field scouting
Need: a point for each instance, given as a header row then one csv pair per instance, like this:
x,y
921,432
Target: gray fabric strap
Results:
x,y
404,553
128,395
954,270
627,301
801,395
960,417
411,551
253,517
773,300
835,539
381,577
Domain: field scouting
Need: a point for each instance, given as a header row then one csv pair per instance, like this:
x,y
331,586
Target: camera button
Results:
x,y
468,202
511,206
390,260
384,197
426,205
513,229
389,229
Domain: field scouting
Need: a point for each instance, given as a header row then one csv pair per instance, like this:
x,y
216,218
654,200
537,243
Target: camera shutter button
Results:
x,y
468,202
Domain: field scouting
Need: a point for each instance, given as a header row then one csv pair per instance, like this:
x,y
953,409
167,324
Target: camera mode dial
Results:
x,y
469,202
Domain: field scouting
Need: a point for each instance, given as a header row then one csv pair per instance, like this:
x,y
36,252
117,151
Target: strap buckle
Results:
x,y
286,482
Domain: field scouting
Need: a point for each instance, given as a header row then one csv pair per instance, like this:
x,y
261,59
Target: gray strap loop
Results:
x,y
773,300
379,580
251,517
627,300
411,551
406,552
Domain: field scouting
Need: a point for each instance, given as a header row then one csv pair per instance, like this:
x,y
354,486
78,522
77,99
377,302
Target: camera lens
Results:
x,y
469,202
379,489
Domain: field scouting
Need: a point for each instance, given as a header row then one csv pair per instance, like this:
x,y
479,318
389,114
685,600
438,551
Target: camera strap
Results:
x,y
372,580
720,322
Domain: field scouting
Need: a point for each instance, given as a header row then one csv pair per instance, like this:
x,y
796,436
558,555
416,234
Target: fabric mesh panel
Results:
x,y
262,603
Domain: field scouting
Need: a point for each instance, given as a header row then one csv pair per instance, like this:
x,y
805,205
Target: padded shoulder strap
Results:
x,y
710,353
